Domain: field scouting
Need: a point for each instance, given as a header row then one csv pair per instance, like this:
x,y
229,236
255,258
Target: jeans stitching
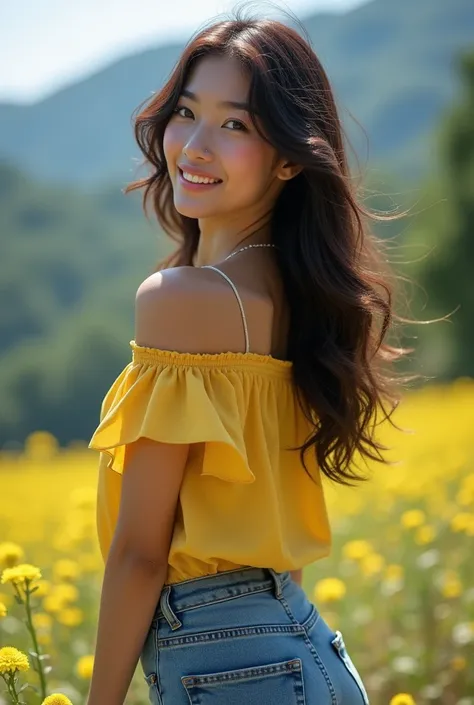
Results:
x,y
239,674
312,621
314,653
156,658
294,667
233,633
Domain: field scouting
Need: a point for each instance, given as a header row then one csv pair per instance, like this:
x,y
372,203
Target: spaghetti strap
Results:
x,y
210,266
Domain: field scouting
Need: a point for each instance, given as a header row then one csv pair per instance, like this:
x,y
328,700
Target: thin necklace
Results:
x,y
263,244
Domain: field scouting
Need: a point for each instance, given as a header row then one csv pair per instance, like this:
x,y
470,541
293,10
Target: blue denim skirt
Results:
x,y
245,637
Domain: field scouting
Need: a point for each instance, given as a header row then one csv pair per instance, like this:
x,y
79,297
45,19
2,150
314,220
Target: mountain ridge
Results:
x,y
391,65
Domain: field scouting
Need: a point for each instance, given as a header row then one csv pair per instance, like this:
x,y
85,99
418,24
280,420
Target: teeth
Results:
x,y
198,179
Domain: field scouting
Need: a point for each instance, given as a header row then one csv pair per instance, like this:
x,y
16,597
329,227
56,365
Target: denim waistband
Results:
x,y
188,594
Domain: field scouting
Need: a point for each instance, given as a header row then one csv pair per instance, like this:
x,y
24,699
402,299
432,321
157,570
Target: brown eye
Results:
x,y
179,108
240,125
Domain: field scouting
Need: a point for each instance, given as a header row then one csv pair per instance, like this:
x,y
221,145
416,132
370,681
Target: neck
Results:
x,y
213,251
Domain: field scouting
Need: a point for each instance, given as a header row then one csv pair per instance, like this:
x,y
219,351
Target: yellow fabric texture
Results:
x,y
245,499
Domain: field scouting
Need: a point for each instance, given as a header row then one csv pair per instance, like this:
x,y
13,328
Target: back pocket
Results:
x,y
339,645
260,685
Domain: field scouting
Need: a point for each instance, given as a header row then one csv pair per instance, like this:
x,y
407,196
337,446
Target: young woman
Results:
x,y
257,368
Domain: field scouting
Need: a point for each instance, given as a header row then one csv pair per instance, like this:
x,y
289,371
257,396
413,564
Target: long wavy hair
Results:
x,y
338,284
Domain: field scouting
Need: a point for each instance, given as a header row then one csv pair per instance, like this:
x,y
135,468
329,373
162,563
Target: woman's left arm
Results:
x,y
137,562
136,565
130,592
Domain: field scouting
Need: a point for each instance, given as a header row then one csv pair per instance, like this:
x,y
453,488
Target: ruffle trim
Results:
x,y
222,359
171,404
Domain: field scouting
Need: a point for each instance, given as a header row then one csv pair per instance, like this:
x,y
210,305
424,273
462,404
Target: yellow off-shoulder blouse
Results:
x,y
245,499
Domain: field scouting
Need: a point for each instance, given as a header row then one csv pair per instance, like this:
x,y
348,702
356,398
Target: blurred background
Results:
x,y
74,249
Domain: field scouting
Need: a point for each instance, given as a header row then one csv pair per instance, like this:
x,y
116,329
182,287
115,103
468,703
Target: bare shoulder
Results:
x,y
188,309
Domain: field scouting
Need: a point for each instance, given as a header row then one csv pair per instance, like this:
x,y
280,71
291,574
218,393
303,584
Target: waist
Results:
x,y
207,589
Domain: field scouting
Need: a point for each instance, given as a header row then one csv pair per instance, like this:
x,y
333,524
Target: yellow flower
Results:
x,y
372,564
412,518
41,446
20,574
65,569
357,549
458,663
56,699
394,571
402,699
3,610
461,521
329,590
10,554
66,592
84,667
451,586
53,604
465,496
70,617
12,660
425,534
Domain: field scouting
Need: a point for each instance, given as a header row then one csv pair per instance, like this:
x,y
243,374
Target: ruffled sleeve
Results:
x,y
168,397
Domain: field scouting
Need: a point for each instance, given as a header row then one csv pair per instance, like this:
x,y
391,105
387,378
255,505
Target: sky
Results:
x,y
48,44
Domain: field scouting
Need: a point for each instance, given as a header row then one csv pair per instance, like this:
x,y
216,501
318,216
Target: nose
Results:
x,y
195,147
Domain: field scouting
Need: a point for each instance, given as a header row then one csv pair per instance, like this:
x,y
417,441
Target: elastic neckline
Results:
x,y
222,359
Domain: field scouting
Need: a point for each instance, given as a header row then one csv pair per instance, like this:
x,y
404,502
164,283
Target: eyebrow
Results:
x,y
222,103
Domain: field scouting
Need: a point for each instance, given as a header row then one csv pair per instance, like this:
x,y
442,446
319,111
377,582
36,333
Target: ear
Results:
x,y
287,170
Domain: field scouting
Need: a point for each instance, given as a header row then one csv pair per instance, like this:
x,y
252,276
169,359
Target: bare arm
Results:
x,y
130,592
137,562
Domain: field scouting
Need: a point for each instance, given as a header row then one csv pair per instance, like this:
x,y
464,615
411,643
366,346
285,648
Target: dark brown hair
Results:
x,y
334,270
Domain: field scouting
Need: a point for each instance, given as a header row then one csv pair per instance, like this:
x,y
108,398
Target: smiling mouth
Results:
x,y
197,180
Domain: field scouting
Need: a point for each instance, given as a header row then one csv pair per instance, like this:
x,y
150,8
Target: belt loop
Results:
x,y
277,583
168,613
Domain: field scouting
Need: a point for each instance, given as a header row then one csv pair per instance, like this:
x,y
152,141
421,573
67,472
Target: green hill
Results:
x,y
69,268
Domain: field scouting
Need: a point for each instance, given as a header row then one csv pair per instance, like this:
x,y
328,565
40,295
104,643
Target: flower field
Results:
x,y
399,583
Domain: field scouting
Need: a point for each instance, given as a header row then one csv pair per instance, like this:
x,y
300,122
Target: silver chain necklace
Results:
x,y
263,244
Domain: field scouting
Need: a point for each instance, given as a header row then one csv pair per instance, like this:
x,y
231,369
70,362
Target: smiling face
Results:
x,y
211,134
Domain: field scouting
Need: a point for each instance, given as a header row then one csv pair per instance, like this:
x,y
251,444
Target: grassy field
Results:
x,y
399,583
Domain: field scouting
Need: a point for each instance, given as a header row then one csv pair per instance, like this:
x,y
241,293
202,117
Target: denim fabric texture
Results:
x,y
245,637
